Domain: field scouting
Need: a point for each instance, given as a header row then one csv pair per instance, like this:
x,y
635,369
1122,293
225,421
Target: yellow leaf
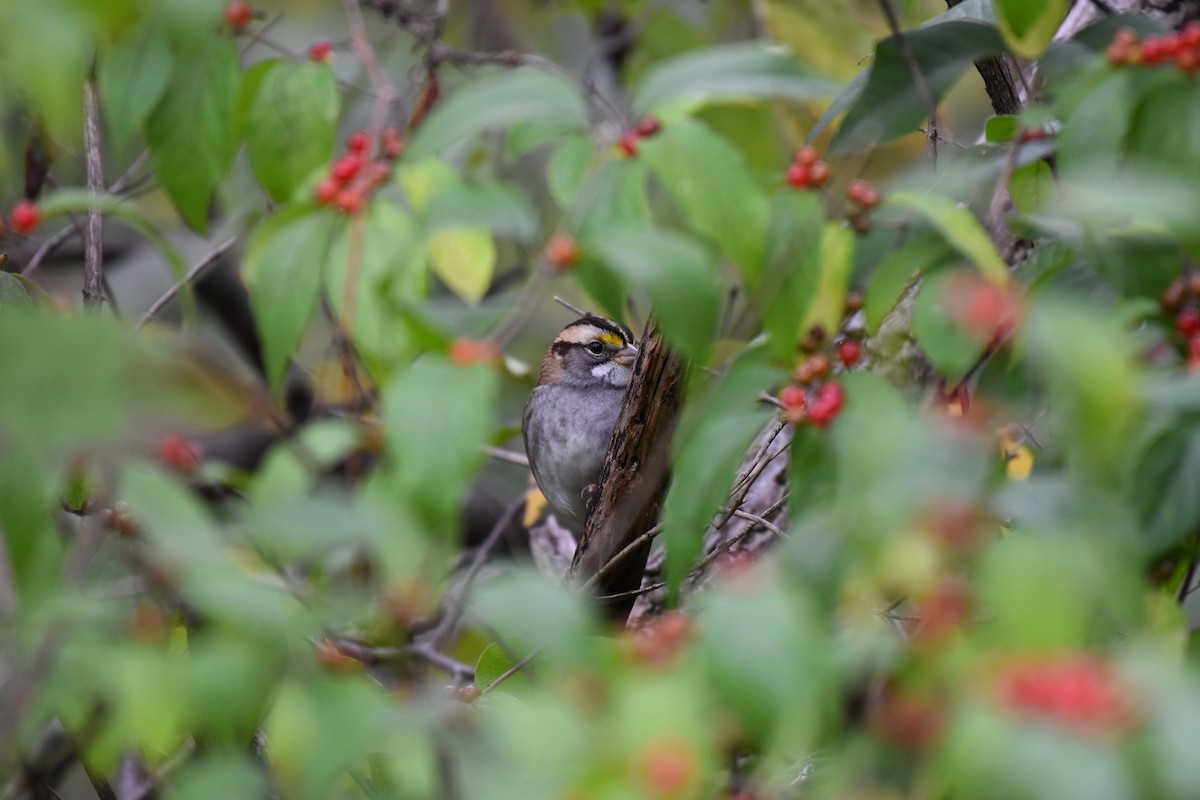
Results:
x,y
422,180
464,259
836,263
1018,459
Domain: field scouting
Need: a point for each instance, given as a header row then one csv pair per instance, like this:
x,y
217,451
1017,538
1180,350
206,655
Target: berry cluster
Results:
x,y
1078,692
355,175
1182,299
812,396
861,197
645,128
25,217
807,170
1181,48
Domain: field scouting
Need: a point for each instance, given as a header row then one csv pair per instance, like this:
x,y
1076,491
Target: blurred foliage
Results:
x,y
980,582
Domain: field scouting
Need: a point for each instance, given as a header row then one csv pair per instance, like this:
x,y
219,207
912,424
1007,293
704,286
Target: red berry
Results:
x,y
1075,691
669,768
320,51
357,142
178,453
792,396
807,156
26,216
465,352
1187,59
647,126
392,143
827,404
1153,51
326,191
350,201
799,176
819,173
983,308
378,172
814,367
660,640
943,611
627,144
1187,323
561,251
1033,135
1193,361
862,194
849,352
346,167
237,14
1190,35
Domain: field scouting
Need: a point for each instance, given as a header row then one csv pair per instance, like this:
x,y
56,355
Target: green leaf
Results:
x,y
1162,128
713,188
33,549
497,101
133,76
1001,128
897,271
464,259
827,304
1031,186
958,227
678,273
287,277
568,167
291,125
727,72
497,207
497,659
952,350
1163,480
16,291
1096,120
781,294
190,131
890,104
547,617
438,418
391,274
712,440
1029,25
619,201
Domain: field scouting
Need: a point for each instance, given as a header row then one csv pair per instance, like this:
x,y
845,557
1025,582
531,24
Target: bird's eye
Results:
x,y
595,348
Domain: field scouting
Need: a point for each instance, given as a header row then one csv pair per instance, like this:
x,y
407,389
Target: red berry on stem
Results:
x,y
799,176
178,453
827,404
669,768
238,14
627,144
1188,322
357,142
326,191
378,172
346,167
819,173
393,144
350,201
464,351
807,156
849,352
25,216
792,396
862,194
320,51
648,126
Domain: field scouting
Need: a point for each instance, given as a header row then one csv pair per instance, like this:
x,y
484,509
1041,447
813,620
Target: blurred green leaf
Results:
x,y
291,125
499,208
497,659
133,75
33,550
1032,185
1001,128
952,350
677,272
496,101
1029,25
1163,478
712,439
287,279
16,291
550,618
897,271
702,172
826,306
959,227
890,104
727,72
782,291
464,259
438,417
1159,133
217,776
47,49
567,168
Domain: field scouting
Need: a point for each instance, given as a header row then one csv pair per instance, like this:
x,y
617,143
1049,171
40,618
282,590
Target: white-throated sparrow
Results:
x,y
570,414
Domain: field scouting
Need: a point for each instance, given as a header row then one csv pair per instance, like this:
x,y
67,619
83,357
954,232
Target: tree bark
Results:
x,y
633,479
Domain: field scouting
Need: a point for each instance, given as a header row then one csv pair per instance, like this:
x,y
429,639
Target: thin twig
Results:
x,y
456,601
508,673
571,306
57,240
191,274
621,555
507,456
93,253
914,68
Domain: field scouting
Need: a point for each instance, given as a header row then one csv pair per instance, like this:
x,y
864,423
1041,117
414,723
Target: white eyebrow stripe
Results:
x,y
582,334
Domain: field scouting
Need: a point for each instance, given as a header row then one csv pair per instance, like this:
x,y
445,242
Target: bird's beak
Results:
x,y
626,355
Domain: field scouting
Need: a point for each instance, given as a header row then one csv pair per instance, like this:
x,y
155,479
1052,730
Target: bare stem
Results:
x,y
93,255
188,277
